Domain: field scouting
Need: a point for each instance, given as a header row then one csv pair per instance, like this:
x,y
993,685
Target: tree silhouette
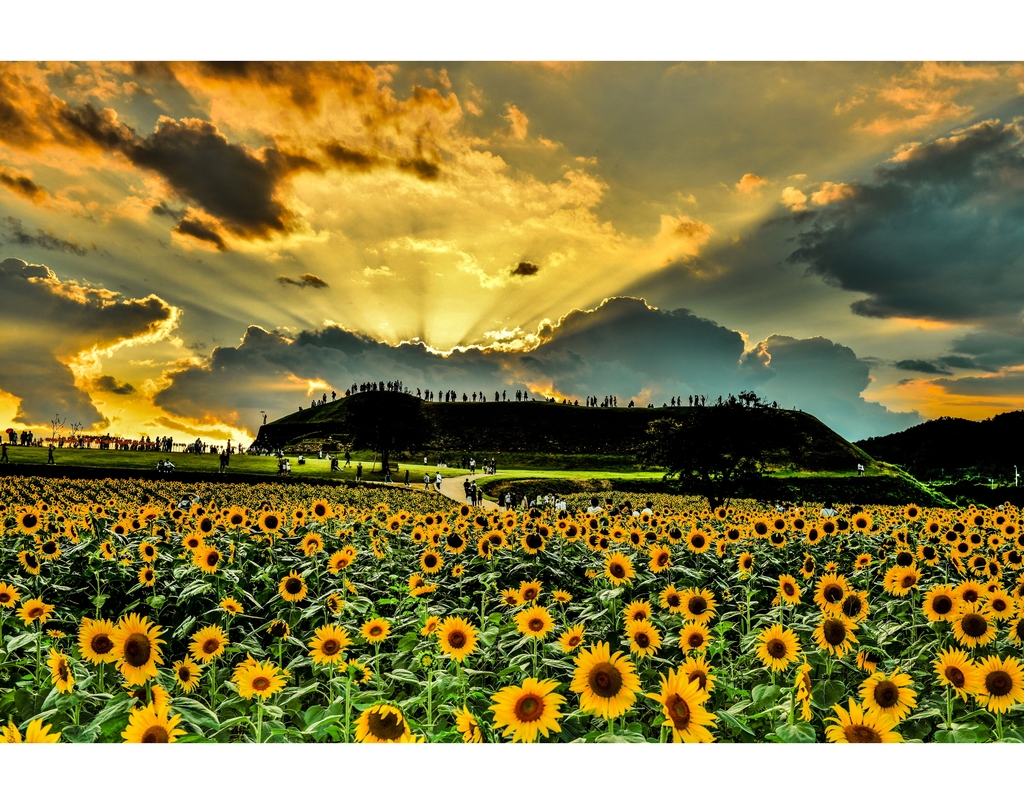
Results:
x,y
715,452
386,422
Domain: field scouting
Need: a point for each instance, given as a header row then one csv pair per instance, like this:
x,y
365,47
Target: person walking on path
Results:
x,y
49,458
426,481
348,458
437,482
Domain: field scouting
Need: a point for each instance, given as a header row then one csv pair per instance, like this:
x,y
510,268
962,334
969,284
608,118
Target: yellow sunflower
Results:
x,y
375,630
60,671
888,694
207,558
260,679
940,604
696,668
694,636
528,711
187,673
561,596
231,606
468,726
618,568
96,641
328,645
955,668
510,597
9,595
431,561
208,643
279,629
571,639
529,591
972,628
37,732
900,581
789,590
382,723
637,610
292,587
778,647
829,592
430,626
606,682
535,622
644,638
150,724
698,605
998,683
661,558
835,634
137,647
456,638
860,726
682,705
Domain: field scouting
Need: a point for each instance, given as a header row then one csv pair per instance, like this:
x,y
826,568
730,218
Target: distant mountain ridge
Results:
x,y
952,449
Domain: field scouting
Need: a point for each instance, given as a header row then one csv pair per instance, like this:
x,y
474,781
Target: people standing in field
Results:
x,y
437,482
4,458
49,458
359,471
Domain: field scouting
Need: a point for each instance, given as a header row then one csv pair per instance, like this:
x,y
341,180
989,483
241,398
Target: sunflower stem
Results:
x,y
949,707
348,705
259,721
39,648
430,702
376,662
213,685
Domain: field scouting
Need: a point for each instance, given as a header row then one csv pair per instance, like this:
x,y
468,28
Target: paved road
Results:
x,y
452,487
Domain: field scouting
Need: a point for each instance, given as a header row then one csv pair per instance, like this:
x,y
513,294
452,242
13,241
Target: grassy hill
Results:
x,y
558,436
951,450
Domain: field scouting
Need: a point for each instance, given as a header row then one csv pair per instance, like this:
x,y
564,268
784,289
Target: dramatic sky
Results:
x,y
184,245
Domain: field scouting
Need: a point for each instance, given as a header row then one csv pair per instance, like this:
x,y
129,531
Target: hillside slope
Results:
x,y
506,429
952,449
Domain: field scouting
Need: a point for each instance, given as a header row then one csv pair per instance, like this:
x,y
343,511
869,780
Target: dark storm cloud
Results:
x,y
921,366
421,167
165,211
47,322
304,281
347,157
190,227
937,234
525,269
988,350
21,185
112,386
623,348
14,232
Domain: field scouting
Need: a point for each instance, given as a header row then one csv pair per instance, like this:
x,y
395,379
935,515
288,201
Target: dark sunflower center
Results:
x,y
271,522
184,674
955,677
30,520
640,615
695,640
834,631
942,604
155,734
536,624
970,595
857,733
389,726
529,708
278,629
998,682
904,558
376,631
908,580
101,644
788,589
63,671
457,639
887,694
832,592
776,648
852,606
605,680
293,586
662,559
50,548
617,570
529,594
974,625
212,558
31,561
678,711
260,683
319,510
697,605
330,647
998,604
137,650
430,560
5,598
698,541
673,601
534,541
574,641
643,640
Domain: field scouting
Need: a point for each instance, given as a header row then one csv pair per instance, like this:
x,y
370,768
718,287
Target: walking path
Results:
x,y
452,487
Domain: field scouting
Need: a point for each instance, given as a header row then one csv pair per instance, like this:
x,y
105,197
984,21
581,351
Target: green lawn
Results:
x,y
240,464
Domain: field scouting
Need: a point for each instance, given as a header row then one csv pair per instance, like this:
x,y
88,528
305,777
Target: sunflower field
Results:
x,y
137,611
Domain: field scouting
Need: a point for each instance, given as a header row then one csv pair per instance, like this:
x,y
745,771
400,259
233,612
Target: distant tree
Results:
x,y
57,426
386,423
714,452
